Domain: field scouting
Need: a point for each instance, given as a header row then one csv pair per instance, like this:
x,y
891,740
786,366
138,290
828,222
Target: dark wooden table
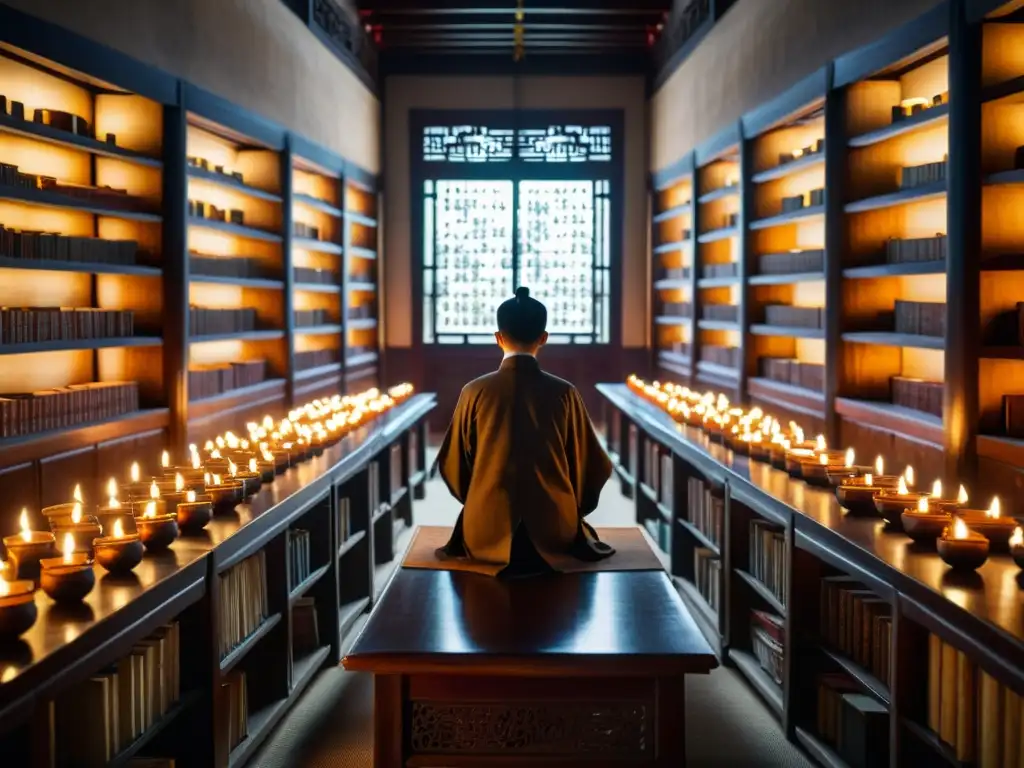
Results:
x,y
567,670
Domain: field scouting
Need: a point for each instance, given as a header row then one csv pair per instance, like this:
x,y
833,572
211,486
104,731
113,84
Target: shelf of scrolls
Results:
x,y
361,298
238,354
718,263
893,265
81,358
318,262
785,349
674,275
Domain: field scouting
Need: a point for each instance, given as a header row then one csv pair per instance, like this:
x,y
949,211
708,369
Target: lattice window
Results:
x,y
481,144
467,144
566,144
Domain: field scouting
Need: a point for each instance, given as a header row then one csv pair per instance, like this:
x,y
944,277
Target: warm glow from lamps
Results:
x,y
190,497
26,533
77,495
165,459
909,474
819,444
937,489
850,456
154,490
880,465
902,490
150,509
995,509
134,472
961,497
179,482
68,548
922,504
76,513
118,529
1017,539
823,459
868,479
959,529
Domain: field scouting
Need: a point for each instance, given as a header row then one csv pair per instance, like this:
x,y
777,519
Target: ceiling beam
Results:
x,y
543,7
484,62
507,45
583,25
447,37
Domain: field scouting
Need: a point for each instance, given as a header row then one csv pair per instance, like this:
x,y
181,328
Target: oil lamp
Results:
x,y
925,522
18,610
194,512
67,579
27,548
892,504
157,531
119,552
991,524
1017,546
961,548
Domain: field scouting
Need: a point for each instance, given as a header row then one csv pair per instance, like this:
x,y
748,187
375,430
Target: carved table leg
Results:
x,y
388,738
670,725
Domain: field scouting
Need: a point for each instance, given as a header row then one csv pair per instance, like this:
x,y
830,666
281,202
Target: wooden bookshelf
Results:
x,y
718,296
274,655
937,668
106,120
361,297
317,275
673,243
237,233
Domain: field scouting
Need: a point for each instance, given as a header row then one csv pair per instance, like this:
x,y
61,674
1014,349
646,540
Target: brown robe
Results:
x,y
521,451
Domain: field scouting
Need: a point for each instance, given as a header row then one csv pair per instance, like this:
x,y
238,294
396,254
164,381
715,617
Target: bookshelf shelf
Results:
x,y
316,203
716,282
920,194
318,246
666,320
238,230
60,138
70,345
239,652
358,218
761,591
703,540
705,612
361,252
232,183
729,190
672,284
320,370
714,235
240,282
126,755
760,329
673,247
872,684
930,740
53,265
896,270
674,212
318,330
929,118
750,668
789,397
47,199
233,397
349,614
362,324
351,543
891,418
793,217
787,279
718,325
887,339
304,586
267,335
360,287
317,288
361,361
799,165
818,749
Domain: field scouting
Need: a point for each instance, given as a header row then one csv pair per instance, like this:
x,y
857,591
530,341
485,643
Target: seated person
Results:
x,y
522,457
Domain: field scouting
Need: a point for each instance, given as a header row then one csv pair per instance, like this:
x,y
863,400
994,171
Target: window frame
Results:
x,y
517,170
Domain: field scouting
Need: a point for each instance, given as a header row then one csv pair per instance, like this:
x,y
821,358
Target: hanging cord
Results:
x,y
519,33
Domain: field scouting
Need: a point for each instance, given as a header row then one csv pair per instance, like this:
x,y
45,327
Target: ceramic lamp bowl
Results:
x,y
777,455
268,470
157,533
963,554
195,515
119,555
58,514
759,451
251,481
843,474
17,614
226,496
816,473
891,505
997,530
795,457
1017,553
26,554
924,526
82,533
67,582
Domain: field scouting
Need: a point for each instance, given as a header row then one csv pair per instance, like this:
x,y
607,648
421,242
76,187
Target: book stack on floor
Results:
x,y
768,557
106,713
855,724
30,325
21,244
235,701
298,557
216,379
63,407
203,321
858,624
243,601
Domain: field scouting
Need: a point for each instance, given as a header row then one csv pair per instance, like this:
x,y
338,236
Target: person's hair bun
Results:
x,y
522,292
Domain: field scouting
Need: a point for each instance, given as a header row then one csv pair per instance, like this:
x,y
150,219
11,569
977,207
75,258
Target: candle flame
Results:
x,y
195,461
208,445
902,490
206,478
215,454
219,441
797,433
823,459
1017,539
179,482
909,474
77,495
922,504
959,529
995,509
232,468
868,479
819,444
118,529
880,465
150,509
76,513
154,490
26,533
165,459
134,472
5,588
961,497
113,503
268,422
69,548
190,497
850,456
937,489
216,480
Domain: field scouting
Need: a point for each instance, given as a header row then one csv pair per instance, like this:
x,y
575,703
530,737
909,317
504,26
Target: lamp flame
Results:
x,y
823,459
902,490
880,465
868,480
118,529
1017,539
154,490
961,497
190,497
165,459
26,533
253,466
150,509
850,456
995,509
819,444
959,529
77,494
134,472
922,504
909,474
179,482
76,513
68,548
937,489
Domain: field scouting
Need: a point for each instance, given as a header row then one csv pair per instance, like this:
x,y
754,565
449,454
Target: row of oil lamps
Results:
x,y
147,515
962,535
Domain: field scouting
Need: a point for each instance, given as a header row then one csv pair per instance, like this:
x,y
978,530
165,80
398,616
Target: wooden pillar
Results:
x,y
835,247
287,270
175,276
963,215
745,258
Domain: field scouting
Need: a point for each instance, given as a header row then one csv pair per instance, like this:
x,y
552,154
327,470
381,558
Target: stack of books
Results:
x,y
211,212
794,317
768,557
362,311
316,276
857,623
309,317
235,702
307,231
298,557
924,318
106,713
203,321
788,371
812,260
707,576
727,269
705,510
305,628
677,308
202,265
243,601
64,407
918,394
315,358
769,652
216,379
724,312
28,325
728,357
21,244
903,251
919,175
852,722
344,519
